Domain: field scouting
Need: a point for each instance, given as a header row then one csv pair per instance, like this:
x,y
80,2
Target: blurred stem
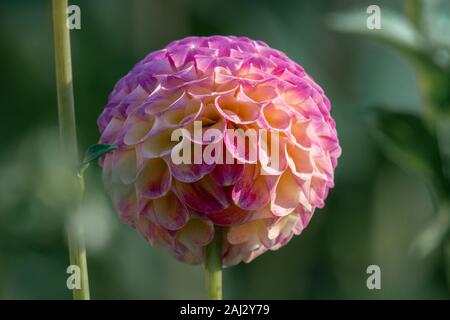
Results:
x,y
77,248
66,110
68,135
214,266
413,9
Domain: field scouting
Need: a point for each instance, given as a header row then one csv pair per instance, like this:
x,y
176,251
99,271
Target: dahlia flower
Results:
x,y
223,83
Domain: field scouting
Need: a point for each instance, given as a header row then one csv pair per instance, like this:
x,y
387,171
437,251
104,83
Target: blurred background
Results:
x,y
379,213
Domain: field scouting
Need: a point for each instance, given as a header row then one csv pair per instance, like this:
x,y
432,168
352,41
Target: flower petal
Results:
x,y
227,174
272,153
276,117
299,160
111,131
196,233
237,111
123,196
287,195
232,215
170,213
124,166
227,171
187,163
158,145
182,111
137,128
253,190
244,232
161,99
204,195
154,233
242,143
154,180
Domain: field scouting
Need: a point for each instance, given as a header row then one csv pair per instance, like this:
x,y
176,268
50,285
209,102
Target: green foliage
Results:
x,y
94,152
429,53
433,235
408,142
417,143
396,31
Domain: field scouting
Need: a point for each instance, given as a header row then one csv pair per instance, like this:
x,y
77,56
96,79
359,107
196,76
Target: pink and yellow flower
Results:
x,y
226,83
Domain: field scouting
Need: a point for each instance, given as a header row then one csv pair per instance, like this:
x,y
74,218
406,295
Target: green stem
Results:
x,y
214,266
413,9
68,134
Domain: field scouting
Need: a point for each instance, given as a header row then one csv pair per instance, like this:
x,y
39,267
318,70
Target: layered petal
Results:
x,y
154,180
170,212
203,196
221,131
253,190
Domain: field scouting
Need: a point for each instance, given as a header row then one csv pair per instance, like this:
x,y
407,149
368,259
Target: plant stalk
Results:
x,y
214,266
68,135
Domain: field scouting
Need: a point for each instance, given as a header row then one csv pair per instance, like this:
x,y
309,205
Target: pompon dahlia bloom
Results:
x,y
225,83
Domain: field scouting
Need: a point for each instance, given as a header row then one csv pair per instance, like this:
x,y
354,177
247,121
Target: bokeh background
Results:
x,y
373,216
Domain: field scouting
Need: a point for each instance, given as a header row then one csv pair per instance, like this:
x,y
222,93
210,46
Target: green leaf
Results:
x,y
407,141
97,150
94,152
395,30
414,11
398,33
437,21
433,235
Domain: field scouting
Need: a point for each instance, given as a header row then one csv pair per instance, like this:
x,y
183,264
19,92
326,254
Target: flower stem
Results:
x,y
214,266
68,134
